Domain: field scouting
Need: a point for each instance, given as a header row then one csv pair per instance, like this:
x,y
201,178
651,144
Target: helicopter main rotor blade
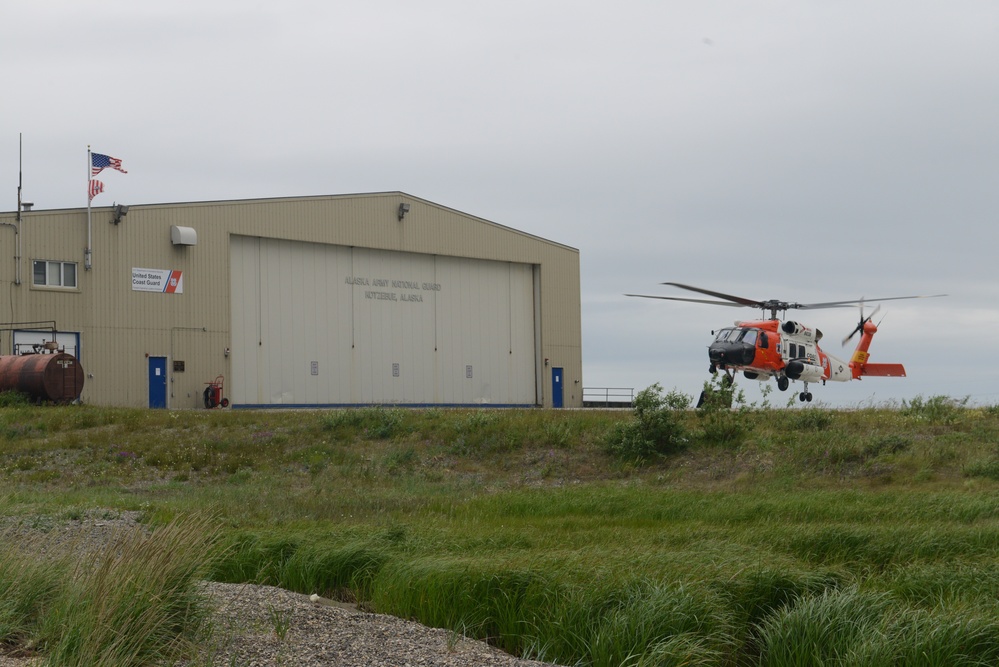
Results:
x,y
854,302
677,298
773,305
742,301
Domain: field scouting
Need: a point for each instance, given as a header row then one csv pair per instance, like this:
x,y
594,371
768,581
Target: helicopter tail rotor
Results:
x,y
863,320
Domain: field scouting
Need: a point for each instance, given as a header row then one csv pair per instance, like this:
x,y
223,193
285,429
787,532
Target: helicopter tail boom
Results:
x,y
859,365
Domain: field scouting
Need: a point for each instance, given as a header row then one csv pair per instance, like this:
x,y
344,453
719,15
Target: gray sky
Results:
x,y
800,150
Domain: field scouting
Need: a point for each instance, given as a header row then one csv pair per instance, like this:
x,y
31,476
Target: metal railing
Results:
x,y
608,397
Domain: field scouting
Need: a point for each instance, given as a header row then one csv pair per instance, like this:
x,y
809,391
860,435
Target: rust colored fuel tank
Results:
x,y
43,377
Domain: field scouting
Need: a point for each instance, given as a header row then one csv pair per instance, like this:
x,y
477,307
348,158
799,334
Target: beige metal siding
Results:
x,y
120,327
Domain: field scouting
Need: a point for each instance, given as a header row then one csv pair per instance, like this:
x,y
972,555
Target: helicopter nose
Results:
x,y
731,353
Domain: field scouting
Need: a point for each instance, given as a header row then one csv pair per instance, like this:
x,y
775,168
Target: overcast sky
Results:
x,y
800,150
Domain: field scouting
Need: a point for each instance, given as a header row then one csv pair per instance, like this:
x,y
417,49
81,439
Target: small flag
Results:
x,y
96,188
99,161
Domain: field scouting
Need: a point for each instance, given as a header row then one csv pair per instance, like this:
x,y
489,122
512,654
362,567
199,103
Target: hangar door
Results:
x,y
316,324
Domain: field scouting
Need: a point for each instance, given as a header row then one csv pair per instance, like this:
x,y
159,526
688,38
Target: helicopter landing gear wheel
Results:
x,y
783,383
805,396
726,380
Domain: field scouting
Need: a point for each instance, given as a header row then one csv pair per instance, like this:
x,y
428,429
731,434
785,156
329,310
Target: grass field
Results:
x,y
755,536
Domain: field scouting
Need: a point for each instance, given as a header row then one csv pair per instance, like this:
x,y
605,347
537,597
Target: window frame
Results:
x,y
53,268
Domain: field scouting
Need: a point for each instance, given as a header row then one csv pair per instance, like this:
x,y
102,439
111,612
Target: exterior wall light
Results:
x,y
120,211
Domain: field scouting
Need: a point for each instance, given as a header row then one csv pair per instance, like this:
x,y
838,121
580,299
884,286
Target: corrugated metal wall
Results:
x,y
120,326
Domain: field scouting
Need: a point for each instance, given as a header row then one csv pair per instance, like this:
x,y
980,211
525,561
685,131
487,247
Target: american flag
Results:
x,y
96,188
99,161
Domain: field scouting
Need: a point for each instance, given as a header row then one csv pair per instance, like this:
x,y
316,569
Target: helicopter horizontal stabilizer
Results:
x,y
883,370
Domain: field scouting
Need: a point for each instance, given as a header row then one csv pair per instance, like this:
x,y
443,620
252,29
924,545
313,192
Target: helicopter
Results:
x,y
788,350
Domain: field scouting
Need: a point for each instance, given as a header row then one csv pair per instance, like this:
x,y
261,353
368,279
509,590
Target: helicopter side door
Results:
x,y
768,352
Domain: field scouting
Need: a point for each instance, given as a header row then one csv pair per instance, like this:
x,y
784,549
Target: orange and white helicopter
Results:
x,y
788,350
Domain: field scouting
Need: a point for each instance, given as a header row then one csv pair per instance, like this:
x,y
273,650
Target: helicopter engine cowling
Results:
x,y
798,369
797,329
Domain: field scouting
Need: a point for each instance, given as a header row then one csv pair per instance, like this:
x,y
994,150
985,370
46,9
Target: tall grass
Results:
x,y
341,571
30,578
852,627
820,630
132,601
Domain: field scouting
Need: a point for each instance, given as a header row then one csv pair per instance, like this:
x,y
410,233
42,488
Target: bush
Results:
x,y
13,399
720,424
659,427
936,409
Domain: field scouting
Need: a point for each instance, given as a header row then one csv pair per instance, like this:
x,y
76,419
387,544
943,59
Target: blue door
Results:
x,y
556,387
157,382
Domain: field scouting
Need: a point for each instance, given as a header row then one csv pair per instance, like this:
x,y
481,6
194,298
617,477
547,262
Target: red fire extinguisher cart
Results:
x,y
213,394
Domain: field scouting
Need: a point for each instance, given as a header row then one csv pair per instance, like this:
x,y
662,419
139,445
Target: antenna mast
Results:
x,y
20,175
17,229
17,221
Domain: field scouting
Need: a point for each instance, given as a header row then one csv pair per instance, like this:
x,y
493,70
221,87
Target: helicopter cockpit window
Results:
x,y
764,343
723,335
748,336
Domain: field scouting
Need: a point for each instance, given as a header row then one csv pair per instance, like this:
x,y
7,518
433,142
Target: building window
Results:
x,y
53,274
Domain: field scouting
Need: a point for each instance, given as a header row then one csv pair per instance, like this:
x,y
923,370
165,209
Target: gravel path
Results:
x,y
262,625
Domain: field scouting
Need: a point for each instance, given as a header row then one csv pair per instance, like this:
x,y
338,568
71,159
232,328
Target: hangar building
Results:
x,y
360,299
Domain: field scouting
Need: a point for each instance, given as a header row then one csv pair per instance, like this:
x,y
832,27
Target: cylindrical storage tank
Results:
x,y
43,377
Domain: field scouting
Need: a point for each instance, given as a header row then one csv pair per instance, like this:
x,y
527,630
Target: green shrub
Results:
x,y
659,427
719,393
720,424
13,399
936,409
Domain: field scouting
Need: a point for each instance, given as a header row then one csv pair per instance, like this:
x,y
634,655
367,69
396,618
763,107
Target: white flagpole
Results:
x,y
88,253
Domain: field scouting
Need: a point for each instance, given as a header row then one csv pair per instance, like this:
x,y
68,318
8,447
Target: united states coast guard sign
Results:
x,y
158,280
